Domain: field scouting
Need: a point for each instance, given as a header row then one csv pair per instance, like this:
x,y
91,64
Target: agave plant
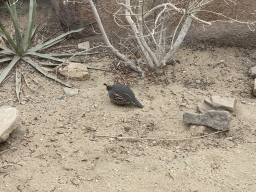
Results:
x,y
19,48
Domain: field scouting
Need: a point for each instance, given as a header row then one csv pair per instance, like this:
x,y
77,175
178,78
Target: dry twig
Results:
x,y
158,139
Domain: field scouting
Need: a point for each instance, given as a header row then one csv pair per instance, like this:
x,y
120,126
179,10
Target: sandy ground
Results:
x,y
58,147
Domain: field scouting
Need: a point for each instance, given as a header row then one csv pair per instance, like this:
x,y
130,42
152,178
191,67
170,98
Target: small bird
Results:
x,y
122,95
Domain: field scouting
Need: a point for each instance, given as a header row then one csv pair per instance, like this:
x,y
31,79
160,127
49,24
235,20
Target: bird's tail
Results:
x,y
138,103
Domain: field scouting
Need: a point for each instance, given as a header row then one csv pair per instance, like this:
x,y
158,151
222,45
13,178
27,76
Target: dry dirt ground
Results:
x,y
58,147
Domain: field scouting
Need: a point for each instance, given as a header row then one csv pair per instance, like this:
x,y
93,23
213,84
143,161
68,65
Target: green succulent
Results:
x,y
19,48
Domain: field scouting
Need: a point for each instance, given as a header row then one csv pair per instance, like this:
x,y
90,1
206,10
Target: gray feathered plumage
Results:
x,y
122,95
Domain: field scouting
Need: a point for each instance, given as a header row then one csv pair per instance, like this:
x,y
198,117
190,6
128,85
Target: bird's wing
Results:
x,y
125,95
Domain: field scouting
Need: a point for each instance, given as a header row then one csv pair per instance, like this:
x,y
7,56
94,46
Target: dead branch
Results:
x,y
113,49
158,139
149,27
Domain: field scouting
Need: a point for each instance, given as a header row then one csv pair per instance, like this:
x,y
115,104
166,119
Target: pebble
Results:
x,y
70,92
60,97
198,81
127,128
187,161
252,72
84,45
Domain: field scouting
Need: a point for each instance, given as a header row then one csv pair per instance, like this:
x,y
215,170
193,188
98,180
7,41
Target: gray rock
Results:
x,y
10,120
214,119
70,92
252,72
60,97
254,88
127,128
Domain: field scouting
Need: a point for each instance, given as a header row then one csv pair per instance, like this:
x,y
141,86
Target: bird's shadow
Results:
x,y
128,106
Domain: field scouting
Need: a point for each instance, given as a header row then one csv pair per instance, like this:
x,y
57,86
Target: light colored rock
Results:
x,y
85,45
208,100
217,103
188,161
203,107
10,120
221,103
254,88
214,119
76,71
70,92
197,130
224,102
252,72
198,81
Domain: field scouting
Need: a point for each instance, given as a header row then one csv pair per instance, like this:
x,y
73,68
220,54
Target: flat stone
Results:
x,y
221,103
10,120
85,45
76,71
215,119
60,97
252,72
254,88
203,107
70,92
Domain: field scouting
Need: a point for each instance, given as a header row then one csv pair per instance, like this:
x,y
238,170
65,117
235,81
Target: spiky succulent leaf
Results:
x,y
9,39
30,25
41,70
11,7
8,68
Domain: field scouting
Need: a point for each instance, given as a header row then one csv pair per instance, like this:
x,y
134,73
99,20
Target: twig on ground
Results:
x,y
5,151
159,139
26,82
7,165
3,104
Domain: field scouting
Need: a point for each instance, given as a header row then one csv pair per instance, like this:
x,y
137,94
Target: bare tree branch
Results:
x,y
105,37
154,29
